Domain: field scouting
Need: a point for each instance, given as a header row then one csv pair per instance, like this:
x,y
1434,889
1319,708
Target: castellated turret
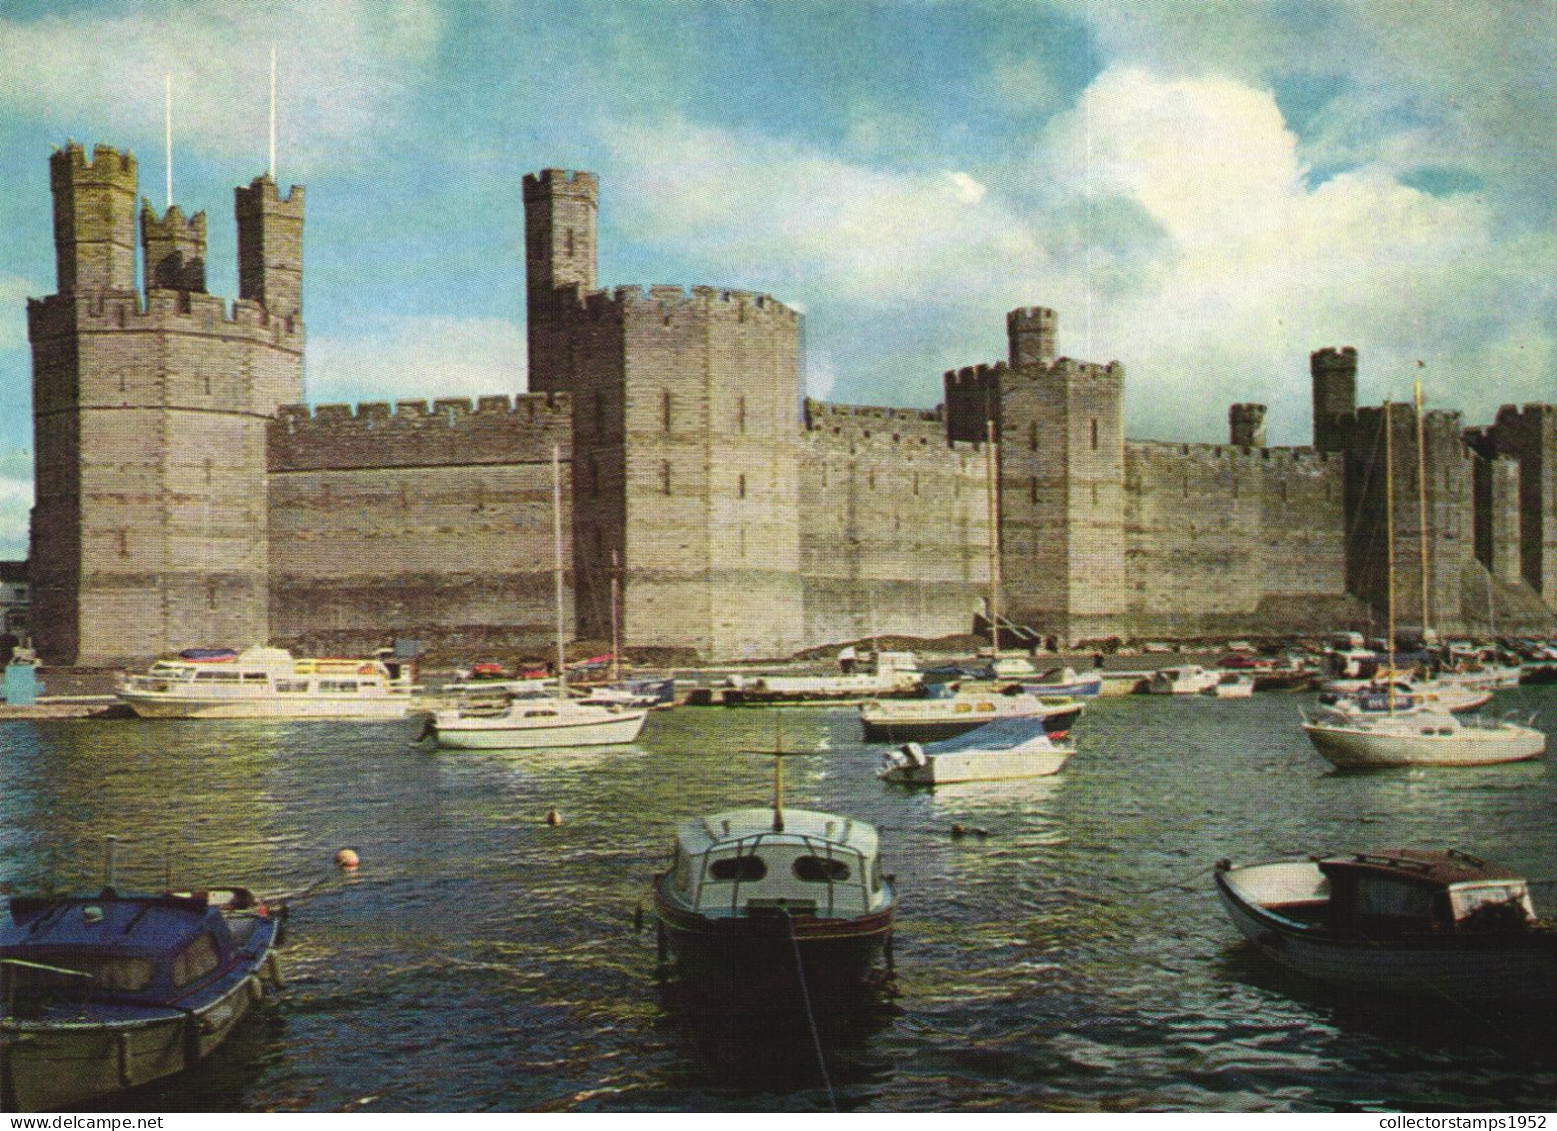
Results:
x,y
1246,425
149,529
270,247
560,210
94,219
1334,375
1032,331
174,249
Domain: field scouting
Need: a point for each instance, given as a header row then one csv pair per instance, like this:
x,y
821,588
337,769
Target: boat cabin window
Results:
x,y
349,686
1390,897
103,972
196,960
875,874
218,676
253,677
738,868
291,686
820,870
1512,898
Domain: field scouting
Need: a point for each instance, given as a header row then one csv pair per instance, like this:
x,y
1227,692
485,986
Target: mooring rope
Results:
x,y
805,998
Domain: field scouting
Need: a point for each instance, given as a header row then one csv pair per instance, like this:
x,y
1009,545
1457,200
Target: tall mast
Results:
x,y
616,628
556,531
1389,543
1421,507
992,489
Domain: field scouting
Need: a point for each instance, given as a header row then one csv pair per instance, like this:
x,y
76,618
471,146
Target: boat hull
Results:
x,y
56,1063
485,734
914,728
267,707
1463,967
1364,748
773,955
980,765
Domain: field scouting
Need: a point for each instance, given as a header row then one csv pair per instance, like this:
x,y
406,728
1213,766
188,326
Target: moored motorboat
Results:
x,y
104,992
1188,679
1408,922
1231,685
998,751
269,683
786,905
1065,681
530,723
1419,738
932,719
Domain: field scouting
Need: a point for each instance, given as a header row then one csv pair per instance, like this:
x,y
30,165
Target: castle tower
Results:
x,y
174,249
149,531
270,247
560,210
1334,375
1529,435
1061,434
1246,425
1031,332
94,219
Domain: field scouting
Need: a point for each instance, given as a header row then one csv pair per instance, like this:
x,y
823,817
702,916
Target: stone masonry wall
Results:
x,y
894,525
427,522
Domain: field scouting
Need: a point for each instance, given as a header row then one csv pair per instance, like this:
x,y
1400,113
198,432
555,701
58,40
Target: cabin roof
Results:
x,y
704,833
1411,865
143,924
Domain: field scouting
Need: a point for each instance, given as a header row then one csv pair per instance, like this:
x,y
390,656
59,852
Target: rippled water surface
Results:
x,y
1074,958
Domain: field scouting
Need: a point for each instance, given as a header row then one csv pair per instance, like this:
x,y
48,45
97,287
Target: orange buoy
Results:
x,y
553,817
347,859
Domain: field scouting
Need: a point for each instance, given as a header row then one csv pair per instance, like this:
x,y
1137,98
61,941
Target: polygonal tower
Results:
x,y
149,527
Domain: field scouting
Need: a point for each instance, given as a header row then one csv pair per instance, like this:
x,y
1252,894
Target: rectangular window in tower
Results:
x,y
208,471
1094,433
570,243
665,477
592,469
124,543
740,414
740,486
665,410
1032,436
1032,489
1094,494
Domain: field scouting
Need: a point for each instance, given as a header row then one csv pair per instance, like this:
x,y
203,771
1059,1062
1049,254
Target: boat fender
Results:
x,y
553,818
347,860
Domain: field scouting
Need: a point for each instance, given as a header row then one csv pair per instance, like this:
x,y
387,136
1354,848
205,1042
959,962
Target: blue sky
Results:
x,y
1205,192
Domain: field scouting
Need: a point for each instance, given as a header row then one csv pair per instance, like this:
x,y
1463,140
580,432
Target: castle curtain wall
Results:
x,y
429,522
894,527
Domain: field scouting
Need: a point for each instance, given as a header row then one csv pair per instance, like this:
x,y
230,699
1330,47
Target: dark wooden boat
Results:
x,y
104,992
1406,922
789,905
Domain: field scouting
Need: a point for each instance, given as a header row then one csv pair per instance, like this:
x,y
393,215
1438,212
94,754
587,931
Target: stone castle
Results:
x,y
185,497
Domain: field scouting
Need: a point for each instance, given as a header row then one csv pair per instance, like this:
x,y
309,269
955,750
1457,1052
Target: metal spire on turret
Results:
x,y
271,169
167,131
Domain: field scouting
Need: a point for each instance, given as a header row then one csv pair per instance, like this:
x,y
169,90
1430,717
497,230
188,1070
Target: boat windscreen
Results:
x,y
999,734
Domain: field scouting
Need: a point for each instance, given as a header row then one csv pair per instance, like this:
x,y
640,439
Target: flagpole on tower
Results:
x,y
272,170
167,130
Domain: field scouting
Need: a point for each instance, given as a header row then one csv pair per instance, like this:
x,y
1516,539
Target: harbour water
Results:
x,y
1068,954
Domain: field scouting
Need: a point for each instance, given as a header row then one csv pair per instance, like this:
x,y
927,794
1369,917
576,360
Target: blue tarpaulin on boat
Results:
x,y
1001,734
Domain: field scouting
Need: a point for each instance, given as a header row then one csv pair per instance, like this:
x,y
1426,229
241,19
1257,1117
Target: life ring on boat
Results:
x,y
365,669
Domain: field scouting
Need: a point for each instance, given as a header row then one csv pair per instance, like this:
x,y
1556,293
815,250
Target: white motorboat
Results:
x,y
1444,926
529,723
1232,685
536,724
1188,679
933,718
1354,740
268,683
997,751
885,673
786,906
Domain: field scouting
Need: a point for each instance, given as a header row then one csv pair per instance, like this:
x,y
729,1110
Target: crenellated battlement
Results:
x,y
559,182
902,429
673,302
263,196
1212,455
448,432
171,224
178,311
108,165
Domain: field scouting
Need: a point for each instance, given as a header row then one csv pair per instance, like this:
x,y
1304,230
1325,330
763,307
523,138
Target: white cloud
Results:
x,y
343,70
419,359
1171,223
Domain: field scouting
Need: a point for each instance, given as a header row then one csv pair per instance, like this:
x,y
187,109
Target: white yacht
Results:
x,y
269,683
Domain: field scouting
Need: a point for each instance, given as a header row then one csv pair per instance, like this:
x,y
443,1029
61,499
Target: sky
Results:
x,y
1205,191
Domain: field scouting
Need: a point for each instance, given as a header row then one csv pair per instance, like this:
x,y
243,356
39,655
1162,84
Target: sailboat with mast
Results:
x,y
541,723
1423,734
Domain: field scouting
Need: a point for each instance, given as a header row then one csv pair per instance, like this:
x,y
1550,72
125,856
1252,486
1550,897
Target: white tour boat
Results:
x,y
269,683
